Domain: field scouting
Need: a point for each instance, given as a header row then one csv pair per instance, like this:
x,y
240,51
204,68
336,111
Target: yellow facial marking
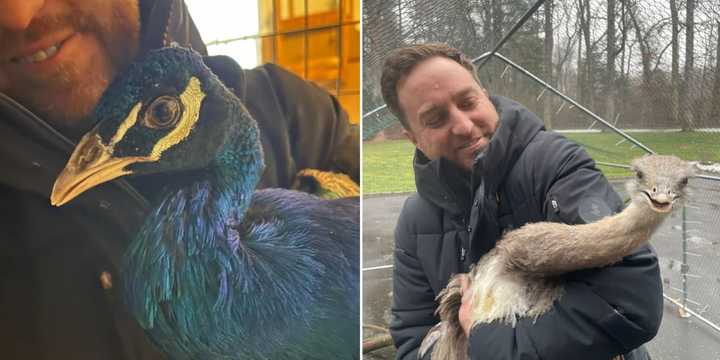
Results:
x,y
126,124
191,98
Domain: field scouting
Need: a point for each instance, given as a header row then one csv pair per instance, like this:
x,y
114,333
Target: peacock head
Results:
x,y
660,181
167,113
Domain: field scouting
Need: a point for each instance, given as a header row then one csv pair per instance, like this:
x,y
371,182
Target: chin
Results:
x,y
69,98
470,163
466,165
70,112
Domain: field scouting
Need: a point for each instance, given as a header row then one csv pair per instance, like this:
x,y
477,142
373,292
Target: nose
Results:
x,y
461,123
16,15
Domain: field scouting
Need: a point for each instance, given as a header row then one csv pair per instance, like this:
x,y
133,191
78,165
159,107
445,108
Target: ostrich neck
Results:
x,y
551,248
609,240
628,229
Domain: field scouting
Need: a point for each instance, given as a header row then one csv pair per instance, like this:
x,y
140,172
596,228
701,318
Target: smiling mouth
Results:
x,y
471,143
474,145
658,206
40,55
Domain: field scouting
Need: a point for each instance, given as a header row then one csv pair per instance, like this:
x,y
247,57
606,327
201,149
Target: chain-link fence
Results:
x,y
641,78
620,77
317,40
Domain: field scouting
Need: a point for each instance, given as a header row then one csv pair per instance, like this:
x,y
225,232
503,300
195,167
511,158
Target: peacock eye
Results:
x,y
162,113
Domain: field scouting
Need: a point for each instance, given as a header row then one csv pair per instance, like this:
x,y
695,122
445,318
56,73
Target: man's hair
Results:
x,y
403,60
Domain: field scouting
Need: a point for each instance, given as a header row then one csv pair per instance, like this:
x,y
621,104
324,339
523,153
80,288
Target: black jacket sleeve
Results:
x,y
413,302
603,312
321,135
301,125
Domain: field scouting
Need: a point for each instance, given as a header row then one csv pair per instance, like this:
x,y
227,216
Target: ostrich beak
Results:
x,y
660,202
91,164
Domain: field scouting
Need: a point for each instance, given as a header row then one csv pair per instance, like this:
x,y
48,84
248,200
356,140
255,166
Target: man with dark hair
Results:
x,y
484,165
59,266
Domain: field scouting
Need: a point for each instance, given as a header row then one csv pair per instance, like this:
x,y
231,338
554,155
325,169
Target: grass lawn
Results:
x,y
387,165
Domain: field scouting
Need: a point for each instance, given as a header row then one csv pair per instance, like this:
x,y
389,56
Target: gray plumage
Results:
x,y
519,277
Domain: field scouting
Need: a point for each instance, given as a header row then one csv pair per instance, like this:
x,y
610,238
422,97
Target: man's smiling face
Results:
x,y
58,56
449,114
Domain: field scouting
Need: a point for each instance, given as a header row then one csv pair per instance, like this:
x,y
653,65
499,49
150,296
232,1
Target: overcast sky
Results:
x,y
224,19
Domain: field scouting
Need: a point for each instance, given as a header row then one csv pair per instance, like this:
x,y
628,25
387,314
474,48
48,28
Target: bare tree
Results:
x,y
548,61
646,60
582,67
685,96
566,44
715,113
610,63
381,34
675,67
624,26
498,19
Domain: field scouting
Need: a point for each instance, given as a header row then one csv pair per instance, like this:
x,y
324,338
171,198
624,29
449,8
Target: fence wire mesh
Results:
x,y
650,68
655,80
689,248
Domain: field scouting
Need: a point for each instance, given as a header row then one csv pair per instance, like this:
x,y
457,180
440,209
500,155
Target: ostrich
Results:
x,y
520,276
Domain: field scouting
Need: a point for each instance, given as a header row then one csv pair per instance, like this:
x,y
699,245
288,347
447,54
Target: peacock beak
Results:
x,y
91,164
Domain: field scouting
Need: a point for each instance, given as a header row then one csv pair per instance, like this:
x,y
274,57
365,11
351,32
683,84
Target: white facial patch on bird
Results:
x,y
93,162
191,99
129,122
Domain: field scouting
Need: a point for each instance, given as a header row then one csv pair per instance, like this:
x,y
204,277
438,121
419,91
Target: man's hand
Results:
x,y
465,312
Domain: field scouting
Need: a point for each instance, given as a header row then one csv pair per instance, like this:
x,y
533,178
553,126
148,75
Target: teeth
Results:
x,y
471,143
38,56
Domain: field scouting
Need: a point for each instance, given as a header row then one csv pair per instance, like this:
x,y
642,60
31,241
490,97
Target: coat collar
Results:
x,y
442,182
446,185
517,127
166,21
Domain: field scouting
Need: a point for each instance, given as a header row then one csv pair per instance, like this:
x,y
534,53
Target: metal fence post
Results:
x,y
684,268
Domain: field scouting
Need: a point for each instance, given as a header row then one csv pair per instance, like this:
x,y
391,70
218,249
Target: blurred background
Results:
x,y
319,40
620,77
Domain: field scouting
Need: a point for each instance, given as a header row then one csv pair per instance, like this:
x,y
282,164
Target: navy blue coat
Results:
x,y
525,175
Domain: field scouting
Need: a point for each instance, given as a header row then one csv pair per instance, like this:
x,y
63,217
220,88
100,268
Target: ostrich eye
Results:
x,y
639,174
162,113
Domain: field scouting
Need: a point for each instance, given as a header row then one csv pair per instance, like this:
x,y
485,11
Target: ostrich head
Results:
x,y
659,182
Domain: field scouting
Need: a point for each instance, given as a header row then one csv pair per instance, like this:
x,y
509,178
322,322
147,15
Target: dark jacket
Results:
x,y
526,174
51,299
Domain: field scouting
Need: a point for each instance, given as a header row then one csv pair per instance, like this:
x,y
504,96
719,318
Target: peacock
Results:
x,y
520,277
218,269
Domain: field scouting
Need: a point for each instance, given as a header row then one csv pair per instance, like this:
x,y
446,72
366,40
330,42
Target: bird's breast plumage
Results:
x,y
273,276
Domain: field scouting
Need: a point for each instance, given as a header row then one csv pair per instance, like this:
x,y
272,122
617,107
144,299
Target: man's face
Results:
x,y
449,114
58,56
